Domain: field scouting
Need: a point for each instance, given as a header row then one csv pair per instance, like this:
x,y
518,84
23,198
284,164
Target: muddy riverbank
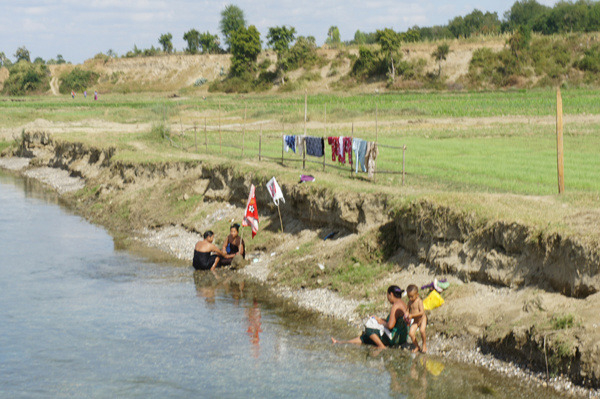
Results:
x,y
514,296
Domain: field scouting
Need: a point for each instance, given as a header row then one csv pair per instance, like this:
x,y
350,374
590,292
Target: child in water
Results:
x,y
384,333
417,313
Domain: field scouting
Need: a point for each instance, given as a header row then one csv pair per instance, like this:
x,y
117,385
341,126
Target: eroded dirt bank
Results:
x,y
516,293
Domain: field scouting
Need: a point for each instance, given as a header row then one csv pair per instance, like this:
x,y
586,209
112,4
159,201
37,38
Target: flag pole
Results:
x,y
280,222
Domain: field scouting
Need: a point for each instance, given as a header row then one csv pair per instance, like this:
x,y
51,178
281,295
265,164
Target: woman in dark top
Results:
x,y
206,254
233,245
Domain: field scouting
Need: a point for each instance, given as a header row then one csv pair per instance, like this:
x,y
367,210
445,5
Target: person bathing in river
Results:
x,y
233,245
206,254
417,313
390,332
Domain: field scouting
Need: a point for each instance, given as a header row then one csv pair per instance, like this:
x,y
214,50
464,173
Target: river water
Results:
x,y
81,318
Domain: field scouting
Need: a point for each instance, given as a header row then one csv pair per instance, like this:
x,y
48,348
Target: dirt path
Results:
x,y
54,86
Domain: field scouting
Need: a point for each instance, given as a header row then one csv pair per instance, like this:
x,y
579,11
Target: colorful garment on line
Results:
x,y
339,147
314,146
290,143
370,157
335,147
359,146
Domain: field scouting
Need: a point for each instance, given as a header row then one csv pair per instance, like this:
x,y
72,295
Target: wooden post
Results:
x,y
260,144
195,137
559,143
324,137
376,124
282,146
305,108
304,154
244,132
403,154
205,137
220,140
350,160
280,222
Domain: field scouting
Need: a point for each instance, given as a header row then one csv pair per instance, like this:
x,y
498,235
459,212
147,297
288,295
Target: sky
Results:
x,y
79,29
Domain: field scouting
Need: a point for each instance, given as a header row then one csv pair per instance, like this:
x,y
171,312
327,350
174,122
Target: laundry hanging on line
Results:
x,y
290,143
314,146
339,147
359,146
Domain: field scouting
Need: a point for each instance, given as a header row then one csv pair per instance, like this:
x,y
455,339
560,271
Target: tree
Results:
x,y
390,44
111,53
166,43
280,39
209,43
440,55
26,78
193,38
524,12
4,61
245,48
39,60
333,36
232,19
359,37
60,60
22,54
519,41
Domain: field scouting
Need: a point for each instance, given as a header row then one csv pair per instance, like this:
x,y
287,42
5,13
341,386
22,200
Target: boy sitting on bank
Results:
x,y
416,311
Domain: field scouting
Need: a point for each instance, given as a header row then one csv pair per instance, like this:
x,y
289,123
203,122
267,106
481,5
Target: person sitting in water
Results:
x,y
206,254
390,332
233,245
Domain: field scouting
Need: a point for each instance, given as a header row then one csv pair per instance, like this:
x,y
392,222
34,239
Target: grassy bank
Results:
x,y
492,153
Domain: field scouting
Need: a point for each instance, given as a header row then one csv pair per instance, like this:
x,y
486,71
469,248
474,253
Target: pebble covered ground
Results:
x,y
179,243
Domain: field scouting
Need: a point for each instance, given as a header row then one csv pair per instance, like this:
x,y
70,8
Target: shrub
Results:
x,y
303,54
27,78
590,61
78,80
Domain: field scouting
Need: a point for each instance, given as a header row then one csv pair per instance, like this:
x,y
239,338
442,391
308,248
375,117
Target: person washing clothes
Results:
x,y
390,332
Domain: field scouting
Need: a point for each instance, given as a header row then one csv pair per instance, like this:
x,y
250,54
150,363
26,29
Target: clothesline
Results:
x,y
361,153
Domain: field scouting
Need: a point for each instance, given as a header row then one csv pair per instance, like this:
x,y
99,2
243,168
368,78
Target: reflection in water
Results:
x,y
209,283
254,326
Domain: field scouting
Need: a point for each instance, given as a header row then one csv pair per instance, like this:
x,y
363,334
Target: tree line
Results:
x,y
563,17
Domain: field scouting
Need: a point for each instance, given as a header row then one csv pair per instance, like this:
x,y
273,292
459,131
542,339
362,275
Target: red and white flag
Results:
x,y
251,216
275,191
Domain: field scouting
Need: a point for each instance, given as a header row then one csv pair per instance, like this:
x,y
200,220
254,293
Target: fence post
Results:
x,y
559,143
304,154
376,123
205,136
305,108
350,160
282,147
324,137
403,156
195,136
260,144
244,132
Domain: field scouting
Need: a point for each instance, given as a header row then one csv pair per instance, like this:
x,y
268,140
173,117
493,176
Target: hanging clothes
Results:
x,y
341,149
370,157
314,146
347,148
335,147
290,143
300,144
359,146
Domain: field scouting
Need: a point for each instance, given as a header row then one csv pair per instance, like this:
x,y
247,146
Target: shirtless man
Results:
x,y
416,311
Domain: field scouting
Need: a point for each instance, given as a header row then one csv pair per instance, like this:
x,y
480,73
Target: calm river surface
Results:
x,y
80,318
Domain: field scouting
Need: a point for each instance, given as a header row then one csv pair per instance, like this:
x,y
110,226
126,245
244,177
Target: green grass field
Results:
x,y
499,142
